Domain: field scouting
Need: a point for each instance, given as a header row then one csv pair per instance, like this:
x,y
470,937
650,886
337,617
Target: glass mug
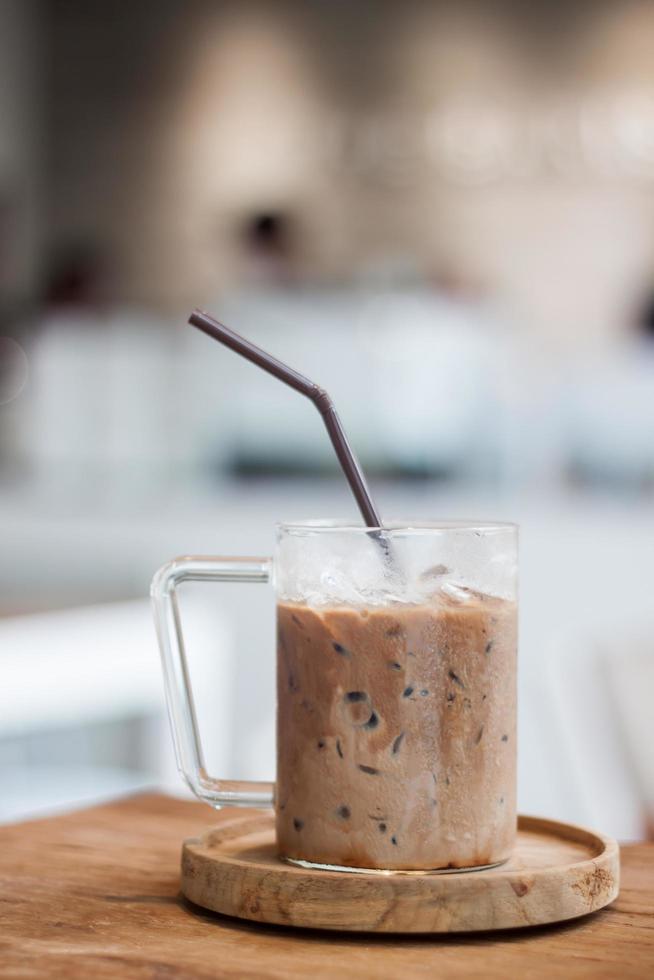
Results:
x,y
396,693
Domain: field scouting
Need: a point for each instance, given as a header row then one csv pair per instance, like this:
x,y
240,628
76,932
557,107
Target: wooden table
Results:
x,y
95,894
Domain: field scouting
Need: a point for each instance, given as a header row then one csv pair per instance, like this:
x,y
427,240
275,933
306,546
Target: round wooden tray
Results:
x,y
557,872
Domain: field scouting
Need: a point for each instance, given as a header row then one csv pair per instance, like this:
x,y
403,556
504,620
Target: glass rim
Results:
x,y
392,527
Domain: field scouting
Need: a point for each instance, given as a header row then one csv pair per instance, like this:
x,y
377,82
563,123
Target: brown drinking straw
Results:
x,y
319,397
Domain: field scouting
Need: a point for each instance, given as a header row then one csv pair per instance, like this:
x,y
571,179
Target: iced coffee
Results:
x,y
396,733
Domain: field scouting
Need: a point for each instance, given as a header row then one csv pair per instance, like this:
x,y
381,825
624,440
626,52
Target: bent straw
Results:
x,y
316,394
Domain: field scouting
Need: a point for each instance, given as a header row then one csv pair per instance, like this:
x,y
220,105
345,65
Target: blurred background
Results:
x,y
442,212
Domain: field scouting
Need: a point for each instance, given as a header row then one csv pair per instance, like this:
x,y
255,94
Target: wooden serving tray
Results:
x,y
557,872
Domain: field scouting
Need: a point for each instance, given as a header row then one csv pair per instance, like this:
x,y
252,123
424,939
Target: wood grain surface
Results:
x,y
556,872
95,894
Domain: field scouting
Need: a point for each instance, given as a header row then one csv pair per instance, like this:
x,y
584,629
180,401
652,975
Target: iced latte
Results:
x,y
396,732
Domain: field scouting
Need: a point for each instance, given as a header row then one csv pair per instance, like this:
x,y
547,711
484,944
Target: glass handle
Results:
x,y
179,696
